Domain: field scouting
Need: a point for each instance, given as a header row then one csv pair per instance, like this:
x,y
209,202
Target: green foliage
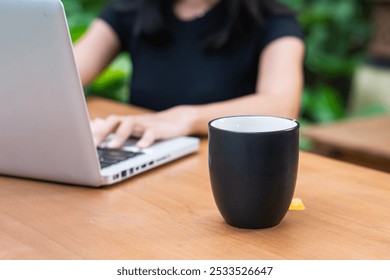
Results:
x,y
113,82
79,16
336,33
323,104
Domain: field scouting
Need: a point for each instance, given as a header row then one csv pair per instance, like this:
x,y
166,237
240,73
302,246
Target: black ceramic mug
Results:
x,y
253,163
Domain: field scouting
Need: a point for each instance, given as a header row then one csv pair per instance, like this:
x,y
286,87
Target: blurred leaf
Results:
x,y
294,4
77,32
373,110
113,82
325,105
305,102
116,72
305,144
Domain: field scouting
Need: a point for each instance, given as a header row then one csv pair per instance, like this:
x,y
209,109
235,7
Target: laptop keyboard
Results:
x,y
109,157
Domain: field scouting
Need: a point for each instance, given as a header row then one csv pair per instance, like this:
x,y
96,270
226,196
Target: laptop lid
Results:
x,y
44,123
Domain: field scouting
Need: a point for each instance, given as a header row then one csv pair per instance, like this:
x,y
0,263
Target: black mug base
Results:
x,y
254,226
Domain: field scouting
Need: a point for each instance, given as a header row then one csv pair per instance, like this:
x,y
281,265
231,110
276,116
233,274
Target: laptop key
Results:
x,y
109,157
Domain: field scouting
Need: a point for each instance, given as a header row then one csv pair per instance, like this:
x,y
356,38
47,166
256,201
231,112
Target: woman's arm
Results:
x,y
95,51
278,90
278,93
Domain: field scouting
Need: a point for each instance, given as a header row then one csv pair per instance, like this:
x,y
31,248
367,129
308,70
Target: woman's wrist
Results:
x,y
190,115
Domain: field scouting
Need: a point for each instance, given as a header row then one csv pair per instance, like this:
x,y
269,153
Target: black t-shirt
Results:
x,y
183,72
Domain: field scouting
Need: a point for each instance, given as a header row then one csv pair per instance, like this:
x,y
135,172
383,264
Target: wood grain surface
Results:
x,y
169,213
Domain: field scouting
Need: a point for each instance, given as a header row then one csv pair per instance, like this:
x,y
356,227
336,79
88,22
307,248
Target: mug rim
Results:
x,y
254,132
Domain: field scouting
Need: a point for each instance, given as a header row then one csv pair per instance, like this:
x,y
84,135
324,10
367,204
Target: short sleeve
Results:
x,y
114,19
280,26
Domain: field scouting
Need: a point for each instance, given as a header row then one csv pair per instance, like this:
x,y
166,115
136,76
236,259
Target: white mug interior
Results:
x,y
253,124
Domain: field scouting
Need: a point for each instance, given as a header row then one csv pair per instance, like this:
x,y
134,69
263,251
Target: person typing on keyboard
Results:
x,y
195,60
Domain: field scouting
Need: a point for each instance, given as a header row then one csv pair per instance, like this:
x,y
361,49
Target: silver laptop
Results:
x,y
44,123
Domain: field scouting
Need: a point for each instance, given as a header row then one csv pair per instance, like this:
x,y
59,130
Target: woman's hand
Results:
x,y
177,121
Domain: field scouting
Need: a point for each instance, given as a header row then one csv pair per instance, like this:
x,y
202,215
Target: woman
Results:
x,y
195,60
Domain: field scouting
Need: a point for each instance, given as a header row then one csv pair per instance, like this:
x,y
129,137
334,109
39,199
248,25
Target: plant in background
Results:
x,y
336,34
113,82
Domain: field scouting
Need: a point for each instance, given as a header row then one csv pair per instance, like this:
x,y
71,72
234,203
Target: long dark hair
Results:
x,y
239,16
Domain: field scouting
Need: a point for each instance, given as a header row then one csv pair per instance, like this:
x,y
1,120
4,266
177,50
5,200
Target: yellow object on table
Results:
x,y
297,204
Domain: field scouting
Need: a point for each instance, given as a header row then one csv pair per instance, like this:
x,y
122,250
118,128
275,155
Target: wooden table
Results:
x,y
169,213
364,141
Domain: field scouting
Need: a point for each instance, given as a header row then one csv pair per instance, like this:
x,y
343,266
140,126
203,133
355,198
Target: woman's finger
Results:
x,y
147,138
101,129
122,133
